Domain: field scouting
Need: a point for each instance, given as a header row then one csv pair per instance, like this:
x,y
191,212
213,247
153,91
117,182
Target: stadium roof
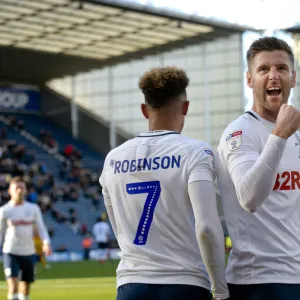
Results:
x,y
294,29
45,39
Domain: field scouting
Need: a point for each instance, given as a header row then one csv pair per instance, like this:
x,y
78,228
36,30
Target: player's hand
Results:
x,y
288,121
47,249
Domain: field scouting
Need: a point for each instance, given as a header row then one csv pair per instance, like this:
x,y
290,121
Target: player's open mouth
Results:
x,y
273,91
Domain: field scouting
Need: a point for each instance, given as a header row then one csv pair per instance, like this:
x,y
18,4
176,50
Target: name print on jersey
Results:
x,y
291,181
145,164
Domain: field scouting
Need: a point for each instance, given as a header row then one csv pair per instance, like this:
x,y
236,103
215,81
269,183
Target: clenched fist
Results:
x,y
288,121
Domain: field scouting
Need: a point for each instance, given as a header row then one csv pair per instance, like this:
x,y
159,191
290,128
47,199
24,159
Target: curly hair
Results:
x,y
162,86
268,44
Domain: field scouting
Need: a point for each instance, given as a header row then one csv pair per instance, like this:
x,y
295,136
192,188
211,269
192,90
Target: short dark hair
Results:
x,y
268,43
16,179
161,86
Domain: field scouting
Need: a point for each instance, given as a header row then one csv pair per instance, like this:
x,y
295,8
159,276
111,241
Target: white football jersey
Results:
x,y
101,231
145,180
266,244
17,223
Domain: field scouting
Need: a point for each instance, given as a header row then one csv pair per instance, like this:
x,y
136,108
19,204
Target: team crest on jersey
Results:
x,y
234,140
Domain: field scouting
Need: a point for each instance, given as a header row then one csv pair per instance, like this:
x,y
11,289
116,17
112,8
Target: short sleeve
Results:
x,y
202,164
237,146
102,182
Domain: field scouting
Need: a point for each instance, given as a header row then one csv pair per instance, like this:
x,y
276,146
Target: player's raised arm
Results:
x,y
209,234
258,172
253,174
43,232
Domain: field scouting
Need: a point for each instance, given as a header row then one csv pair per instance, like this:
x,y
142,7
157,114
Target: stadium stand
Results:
x,y
67,192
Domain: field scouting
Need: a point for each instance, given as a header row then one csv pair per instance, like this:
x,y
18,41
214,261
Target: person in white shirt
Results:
x,y
101,232
159,193
258,165
17,220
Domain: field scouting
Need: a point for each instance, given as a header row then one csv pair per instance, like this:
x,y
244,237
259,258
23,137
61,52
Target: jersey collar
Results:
x,y
264,121
157,133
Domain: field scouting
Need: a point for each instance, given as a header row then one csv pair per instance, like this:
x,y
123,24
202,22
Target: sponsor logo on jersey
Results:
x,y
234,134
234,140
147,164
21,222
287,181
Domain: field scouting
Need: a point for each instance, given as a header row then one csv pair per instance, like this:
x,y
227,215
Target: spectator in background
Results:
x,y
83,229
45,202
4,181
74,193
5,197
40,184
73,176
42,135
63,170
96,199
62,249
29,157
12,120
58,216
3,133
87,245
47,138
20,125
68,151
101,232
19,151
43,169
32,195
57,194
72,212
75,225
50,180
78,154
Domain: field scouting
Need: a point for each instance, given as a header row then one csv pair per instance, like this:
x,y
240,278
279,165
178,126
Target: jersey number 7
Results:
x,y
152,188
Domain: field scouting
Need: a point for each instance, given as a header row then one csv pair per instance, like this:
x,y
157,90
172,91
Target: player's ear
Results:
x,y
249,79
185,107
144,110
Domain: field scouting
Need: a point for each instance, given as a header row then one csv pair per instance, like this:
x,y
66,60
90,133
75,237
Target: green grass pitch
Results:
x,y
72,280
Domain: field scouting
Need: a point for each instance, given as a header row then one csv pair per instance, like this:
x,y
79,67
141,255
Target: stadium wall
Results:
x,y
216,90
91,129
296,49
